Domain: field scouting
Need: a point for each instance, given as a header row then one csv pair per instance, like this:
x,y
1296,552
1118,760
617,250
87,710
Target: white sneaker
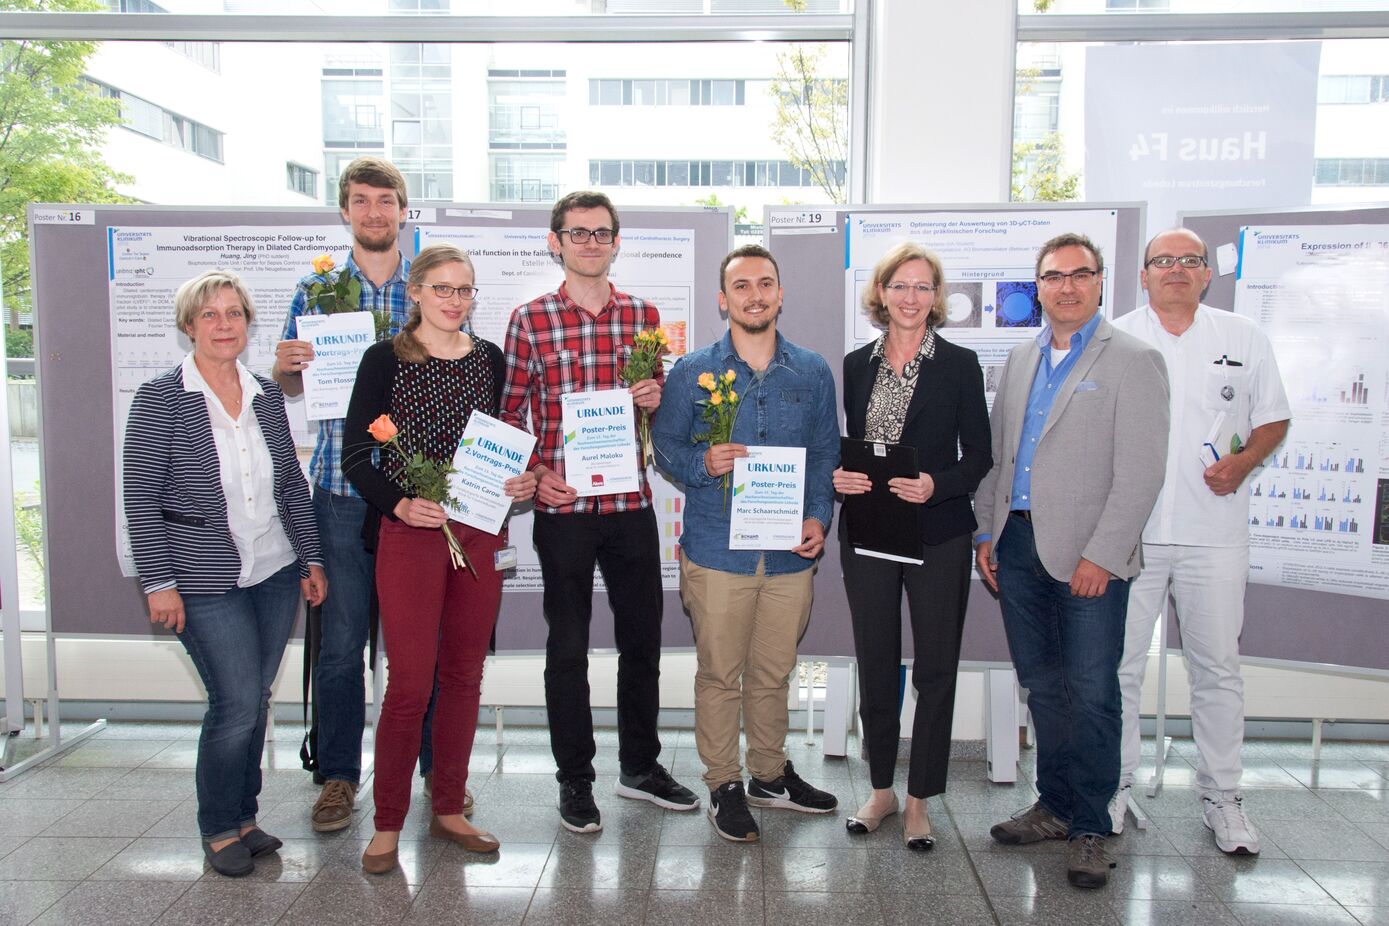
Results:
x,y
1225,818
1119,809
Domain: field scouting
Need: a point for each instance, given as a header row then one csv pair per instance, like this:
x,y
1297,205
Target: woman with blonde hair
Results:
x,y
912,387
429,379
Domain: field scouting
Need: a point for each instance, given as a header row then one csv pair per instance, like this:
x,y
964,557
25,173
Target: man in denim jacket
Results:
x,y
749,608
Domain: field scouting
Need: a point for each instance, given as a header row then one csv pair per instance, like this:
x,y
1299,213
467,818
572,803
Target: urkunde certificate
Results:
x,y
338,340
600,442
489,454
768,499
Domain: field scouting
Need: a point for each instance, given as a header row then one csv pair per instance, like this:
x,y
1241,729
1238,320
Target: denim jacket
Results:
x,y
792,406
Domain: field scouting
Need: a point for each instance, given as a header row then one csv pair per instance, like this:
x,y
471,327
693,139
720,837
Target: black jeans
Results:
x,y
937,592
626,548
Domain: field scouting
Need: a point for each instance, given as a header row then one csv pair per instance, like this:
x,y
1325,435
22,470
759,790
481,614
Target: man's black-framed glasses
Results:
x,y
1053,279
1189,261
581,235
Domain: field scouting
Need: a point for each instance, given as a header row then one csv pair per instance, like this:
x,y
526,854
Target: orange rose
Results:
x,y
716,399
706,381
383,429
323,263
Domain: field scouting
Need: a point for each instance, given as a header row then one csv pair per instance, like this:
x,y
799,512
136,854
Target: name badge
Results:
x,y
504,559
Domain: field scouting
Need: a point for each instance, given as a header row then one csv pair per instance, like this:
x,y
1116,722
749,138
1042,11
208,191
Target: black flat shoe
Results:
x,y
232,860
260,842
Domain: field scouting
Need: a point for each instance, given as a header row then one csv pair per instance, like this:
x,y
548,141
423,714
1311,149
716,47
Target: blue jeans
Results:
x,y
236,641
338,687
1066,651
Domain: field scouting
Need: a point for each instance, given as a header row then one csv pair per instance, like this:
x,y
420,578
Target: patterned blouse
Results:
x,y
431,403
887,405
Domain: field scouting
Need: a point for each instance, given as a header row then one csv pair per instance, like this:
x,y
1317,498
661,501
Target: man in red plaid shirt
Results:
x,y
577,340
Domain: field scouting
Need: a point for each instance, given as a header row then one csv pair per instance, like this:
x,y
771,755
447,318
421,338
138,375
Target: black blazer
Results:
x,y
948,424
172,488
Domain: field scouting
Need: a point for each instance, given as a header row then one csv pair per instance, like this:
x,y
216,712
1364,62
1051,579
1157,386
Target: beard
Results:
x,y
379,245
760,325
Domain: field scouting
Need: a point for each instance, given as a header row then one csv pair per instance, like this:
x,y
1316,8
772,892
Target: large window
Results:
x,y
140,115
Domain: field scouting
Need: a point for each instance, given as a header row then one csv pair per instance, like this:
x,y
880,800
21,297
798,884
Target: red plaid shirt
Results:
x,y
555,347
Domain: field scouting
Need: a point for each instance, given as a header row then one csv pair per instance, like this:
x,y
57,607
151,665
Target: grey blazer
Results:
x,y
1100,461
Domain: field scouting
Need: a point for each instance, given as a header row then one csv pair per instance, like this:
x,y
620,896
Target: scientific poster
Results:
x,y
146,266
990,272
1319,508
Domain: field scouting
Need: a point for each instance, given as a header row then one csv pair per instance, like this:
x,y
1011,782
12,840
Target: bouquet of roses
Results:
x,y
341,293
718,411
426,478
648,348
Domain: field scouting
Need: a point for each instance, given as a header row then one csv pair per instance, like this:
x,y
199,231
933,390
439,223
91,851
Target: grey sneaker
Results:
x,y
1087,862
1033,824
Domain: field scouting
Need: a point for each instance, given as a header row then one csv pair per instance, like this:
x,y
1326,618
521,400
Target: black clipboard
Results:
x,y
878,522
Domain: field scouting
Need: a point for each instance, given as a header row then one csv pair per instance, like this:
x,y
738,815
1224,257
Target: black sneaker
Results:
x,y
728,811
791,793
657,787
577,811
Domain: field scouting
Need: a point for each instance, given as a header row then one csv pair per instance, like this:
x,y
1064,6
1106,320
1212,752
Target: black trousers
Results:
x,y
626,548
937,592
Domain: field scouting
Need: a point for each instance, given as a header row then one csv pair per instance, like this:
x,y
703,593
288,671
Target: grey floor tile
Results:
x,y
152,784
21,901
914,910
1021,873
1263,804
784,829
180,754
182,820
1320,840
1158,878
31,816
1261,914
231,903
384,902
515,865
9,842
156,859
566,907
112,903
1369,805
1072,906
727,866
476,906
47,858
1259,880
518,824
597,866
985,797
832,870
1370,916
1266,773
1135,912
1364,884
1326,775
811,908
100,752
1141,842
342,862
701,908
941,871
101,817
44,783
152,730
292,820
1378,831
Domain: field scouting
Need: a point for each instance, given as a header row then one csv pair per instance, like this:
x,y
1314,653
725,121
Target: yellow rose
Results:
x,y
732,395
706,381
730,376
323,263
716,399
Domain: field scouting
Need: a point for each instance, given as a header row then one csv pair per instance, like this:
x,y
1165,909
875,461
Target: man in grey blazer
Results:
x,y
1080,438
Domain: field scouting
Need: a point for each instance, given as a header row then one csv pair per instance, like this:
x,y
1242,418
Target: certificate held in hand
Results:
x,y
879,523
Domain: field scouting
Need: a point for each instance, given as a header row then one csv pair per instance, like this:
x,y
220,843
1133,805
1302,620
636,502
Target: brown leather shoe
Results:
x,y
482,842
333,809
381,864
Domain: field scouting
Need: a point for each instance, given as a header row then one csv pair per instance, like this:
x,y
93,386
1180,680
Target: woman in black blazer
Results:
x,y
224,541
912,387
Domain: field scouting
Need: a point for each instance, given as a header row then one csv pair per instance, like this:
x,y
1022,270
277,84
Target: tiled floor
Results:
x,y
106,835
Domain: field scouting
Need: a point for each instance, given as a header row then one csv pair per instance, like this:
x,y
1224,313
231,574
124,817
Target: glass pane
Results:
x,y
1232,125
1120,7
482,7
